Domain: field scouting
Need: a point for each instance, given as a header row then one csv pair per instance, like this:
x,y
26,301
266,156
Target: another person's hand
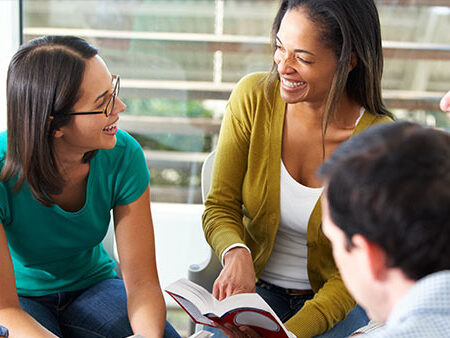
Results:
x,y
241,332
445,103
237,275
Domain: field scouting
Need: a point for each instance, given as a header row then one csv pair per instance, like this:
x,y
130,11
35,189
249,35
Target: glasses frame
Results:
x,y
111,100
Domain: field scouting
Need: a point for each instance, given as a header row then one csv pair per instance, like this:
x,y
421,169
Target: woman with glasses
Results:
x,y
64,166
263,214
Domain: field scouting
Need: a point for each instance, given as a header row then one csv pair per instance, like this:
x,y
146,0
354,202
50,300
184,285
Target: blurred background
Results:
x,y
179,60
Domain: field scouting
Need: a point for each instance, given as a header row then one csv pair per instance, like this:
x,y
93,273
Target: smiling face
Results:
x,y
305,64
96,131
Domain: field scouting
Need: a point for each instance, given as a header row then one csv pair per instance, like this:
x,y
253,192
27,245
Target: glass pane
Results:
x,y
179,60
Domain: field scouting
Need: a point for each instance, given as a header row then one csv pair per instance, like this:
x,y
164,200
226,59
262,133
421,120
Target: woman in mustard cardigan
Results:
x,y
263,213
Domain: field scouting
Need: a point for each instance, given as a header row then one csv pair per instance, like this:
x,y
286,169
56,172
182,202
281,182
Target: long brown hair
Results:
x,y
44,78
346,26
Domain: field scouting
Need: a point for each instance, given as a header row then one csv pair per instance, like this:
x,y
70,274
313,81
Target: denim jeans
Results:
x,y
285,306
4,332
100,311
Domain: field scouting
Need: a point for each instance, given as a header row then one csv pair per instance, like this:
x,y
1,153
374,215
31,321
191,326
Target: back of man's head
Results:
x,y
391,184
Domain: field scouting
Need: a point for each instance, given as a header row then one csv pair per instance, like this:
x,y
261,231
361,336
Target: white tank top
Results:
x,y
287,265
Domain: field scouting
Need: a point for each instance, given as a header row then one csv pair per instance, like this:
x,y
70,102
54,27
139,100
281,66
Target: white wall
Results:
x,y
9,42
179,241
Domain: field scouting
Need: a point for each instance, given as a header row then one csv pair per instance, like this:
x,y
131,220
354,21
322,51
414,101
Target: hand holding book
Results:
x,y
240,310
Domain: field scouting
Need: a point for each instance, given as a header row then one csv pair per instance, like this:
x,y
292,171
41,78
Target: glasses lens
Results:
x,y
117,85
110,105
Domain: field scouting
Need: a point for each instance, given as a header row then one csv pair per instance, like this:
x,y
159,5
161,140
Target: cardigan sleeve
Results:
x,y
222,218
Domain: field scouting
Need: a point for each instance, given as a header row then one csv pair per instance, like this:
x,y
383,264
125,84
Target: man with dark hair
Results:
x,y
386,211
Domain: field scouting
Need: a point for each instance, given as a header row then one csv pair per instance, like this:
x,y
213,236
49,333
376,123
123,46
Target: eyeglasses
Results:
x,y
110,105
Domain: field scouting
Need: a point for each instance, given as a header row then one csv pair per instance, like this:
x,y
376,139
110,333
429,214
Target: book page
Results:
x,y
197,295
242,300
247,309
191,310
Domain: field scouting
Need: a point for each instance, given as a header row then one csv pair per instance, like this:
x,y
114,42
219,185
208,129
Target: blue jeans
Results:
x,y
4,332
100,311
285,306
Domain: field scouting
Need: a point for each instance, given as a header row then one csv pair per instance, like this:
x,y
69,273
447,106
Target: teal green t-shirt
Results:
x,y
54,250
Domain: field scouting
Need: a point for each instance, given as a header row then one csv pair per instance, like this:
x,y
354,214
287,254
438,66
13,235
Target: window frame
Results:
x,y
11,28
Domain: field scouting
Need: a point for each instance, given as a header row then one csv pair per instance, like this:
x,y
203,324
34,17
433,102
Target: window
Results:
x,y
10,27
179,60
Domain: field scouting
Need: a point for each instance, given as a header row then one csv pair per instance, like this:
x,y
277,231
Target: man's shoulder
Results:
x,y
423,312
424,325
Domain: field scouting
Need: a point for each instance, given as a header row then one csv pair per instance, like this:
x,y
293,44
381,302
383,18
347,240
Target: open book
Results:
x,y
247,309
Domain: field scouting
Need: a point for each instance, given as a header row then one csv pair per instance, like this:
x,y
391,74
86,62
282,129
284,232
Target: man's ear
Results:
x,y
353,62
375,257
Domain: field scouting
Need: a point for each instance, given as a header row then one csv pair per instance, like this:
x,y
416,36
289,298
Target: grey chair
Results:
x,y
206,272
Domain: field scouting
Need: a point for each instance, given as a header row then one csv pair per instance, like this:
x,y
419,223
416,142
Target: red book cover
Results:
x,y
261,321
238,310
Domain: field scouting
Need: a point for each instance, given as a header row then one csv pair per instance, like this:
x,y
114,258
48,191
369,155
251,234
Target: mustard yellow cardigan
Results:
x,y
243,205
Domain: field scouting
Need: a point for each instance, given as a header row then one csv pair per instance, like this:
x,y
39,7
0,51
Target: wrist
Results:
x,y
237,253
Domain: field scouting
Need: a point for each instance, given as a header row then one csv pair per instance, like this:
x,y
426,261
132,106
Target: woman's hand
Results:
x,y
237,275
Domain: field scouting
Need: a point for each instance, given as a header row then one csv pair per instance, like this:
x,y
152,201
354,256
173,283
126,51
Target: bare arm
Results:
x,y
136,246
18,322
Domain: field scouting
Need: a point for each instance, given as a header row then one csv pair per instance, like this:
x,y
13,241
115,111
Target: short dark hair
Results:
x,y
347,26
43,83
391,184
